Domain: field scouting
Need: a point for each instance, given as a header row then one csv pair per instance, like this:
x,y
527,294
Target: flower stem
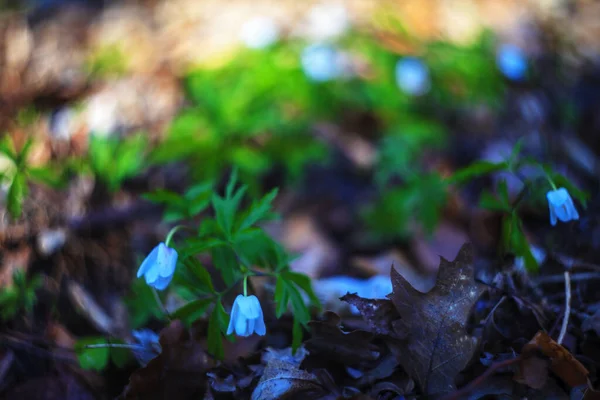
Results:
x,y
173,231
245,285
160,304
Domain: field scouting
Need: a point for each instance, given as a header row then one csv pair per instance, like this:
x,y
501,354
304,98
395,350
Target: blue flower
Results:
x,y
320,62
512,62
412,76
246,317
561,206
158,268
149,346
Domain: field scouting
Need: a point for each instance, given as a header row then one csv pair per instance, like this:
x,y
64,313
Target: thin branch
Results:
x,y
563,329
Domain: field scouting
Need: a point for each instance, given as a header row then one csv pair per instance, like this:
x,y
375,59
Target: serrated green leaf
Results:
x,y
193,310
259,210
477,169
304,282
202,279
227,263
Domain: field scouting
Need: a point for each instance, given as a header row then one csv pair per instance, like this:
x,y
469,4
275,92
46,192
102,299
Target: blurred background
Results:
x,y
357,110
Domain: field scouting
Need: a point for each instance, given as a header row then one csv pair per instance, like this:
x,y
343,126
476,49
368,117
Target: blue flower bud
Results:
x,y
512,62
561,206
158,268
412,76
320,62
246,317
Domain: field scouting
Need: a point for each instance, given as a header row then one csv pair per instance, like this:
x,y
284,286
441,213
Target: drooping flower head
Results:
x,y
158,268
561,206
246,317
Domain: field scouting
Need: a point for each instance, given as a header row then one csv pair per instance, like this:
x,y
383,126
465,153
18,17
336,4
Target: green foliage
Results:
x,y
237,247
113,160
419,201
142,304
108,61
20,296
183,207
253,113
94,353
18,173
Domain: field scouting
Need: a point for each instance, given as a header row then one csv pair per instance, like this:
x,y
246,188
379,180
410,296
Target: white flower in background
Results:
x,y
511,62
62,124
561,206
259,32
321,62
246,317
326,21
539,255
102,115
412,76
158,268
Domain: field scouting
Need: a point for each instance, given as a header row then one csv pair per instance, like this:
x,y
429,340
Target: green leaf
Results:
x,y
217,323
16,195
259,210
304,282
226,262
477,169
142,304
7,147
490,202
197,245
94,358
202,279
193,310
281,297
297,334
226,208
119,356
22,156
46,175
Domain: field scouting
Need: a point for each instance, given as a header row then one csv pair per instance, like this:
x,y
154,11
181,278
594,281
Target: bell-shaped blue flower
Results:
x,y
246,317
158,268
561,206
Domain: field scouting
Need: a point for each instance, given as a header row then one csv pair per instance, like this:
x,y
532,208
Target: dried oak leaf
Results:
x,y
284,380
437,346
380,315
562,362
179,371
329,342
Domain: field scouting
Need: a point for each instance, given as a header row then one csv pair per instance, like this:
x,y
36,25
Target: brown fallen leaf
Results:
x,y
379,314
284,380
437,346
329,342
562,363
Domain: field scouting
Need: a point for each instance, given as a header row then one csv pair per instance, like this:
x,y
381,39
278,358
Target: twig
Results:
x,y
563,329
479,380
585,276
